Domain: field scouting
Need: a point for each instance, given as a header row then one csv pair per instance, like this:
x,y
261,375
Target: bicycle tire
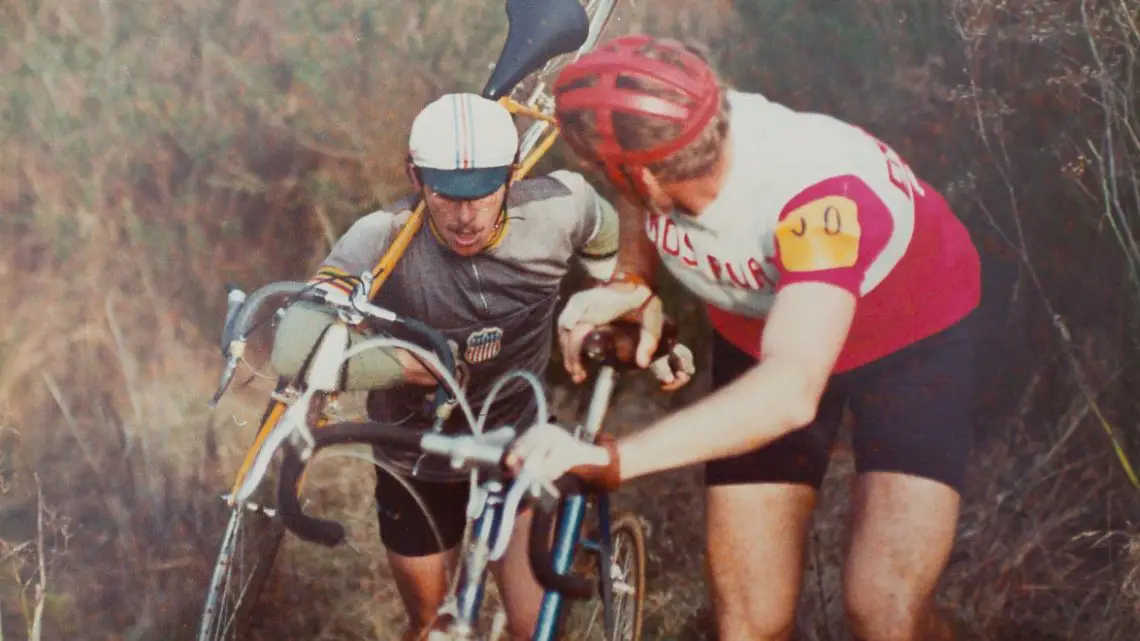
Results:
x,y
627,535
235,585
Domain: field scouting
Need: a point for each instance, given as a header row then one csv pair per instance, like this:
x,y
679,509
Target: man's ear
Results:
x,y
644,180
413,175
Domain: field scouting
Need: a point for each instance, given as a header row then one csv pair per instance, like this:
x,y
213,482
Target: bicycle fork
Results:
x,y
469,599
569,528
568,537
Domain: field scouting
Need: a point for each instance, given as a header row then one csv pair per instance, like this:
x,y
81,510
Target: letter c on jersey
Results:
x,y
823,234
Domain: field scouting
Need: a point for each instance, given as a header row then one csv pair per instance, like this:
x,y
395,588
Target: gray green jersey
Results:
x,y
496,307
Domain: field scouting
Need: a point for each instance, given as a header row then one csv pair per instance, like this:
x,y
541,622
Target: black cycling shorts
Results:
x,y
913,412
404,529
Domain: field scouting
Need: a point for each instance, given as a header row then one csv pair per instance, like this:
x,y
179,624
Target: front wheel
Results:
x,y
245,558
625,577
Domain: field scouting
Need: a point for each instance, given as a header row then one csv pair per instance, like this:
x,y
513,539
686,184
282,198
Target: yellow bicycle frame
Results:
x,y
384,267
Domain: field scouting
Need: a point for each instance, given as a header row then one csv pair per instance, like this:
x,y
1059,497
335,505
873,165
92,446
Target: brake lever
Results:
x,y
498,437
365,284
604,384
235,300
233,348
236,351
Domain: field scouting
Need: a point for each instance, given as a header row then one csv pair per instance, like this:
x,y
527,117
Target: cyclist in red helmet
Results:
x,y
835,280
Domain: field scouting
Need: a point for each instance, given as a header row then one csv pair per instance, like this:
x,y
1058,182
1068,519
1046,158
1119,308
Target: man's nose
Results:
x,y
466,212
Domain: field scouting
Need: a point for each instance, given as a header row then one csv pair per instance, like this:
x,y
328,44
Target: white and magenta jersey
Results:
x,y
811,198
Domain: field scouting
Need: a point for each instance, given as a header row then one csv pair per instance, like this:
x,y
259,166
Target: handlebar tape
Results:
x,y
541,555
323,531
309,528
235,298
441,349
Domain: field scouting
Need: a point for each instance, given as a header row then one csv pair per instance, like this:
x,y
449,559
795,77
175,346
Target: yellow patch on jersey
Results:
x,y
823,234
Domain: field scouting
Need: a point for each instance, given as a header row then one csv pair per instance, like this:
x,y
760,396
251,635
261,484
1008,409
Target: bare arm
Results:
x,y
636,257
802,340
302,327
827,238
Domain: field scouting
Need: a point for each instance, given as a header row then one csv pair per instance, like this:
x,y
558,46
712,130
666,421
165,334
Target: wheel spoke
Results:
x,y
243,563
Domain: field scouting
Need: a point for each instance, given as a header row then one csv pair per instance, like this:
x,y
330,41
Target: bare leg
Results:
x,y
522,595
423,585
756,537
901,536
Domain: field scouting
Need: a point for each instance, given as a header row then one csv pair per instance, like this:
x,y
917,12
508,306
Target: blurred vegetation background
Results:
x,y
151,151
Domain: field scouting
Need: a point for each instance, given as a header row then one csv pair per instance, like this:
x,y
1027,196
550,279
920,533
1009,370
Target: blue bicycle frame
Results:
x,y
568,535
567,540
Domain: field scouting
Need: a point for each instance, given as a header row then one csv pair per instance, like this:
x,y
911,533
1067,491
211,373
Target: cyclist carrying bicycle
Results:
x,y
485,271
833,277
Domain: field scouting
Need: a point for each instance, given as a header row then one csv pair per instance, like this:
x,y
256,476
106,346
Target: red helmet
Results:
x,y
624,57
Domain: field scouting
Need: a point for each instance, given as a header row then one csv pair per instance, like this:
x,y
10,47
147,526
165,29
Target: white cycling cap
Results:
x,y
463,145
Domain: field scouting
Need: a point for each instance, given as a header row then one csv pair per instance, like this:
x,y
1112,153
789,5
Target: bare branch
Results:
x,y
41,586
69,420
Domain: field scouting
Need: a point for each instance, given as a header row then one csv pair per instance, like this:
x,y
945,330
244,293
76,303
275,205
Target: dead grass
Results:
x,y
152,151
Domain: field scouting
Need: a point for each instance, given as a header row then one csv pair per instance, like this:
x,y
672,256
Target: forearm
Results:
x,y
302,327
722,424
413,371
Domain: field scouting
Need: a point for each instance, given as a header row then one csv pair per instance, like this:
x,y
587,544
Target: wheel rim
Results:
x,y
627,574
623,579
245,558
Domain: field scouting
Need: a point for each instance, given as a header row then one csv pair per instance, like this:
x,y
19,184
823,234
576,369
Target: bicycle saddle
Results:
x,y
537,31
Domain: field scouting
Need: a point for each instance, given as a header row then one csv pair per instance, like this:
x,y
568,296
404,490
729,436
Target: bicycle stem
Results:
x,y
599,401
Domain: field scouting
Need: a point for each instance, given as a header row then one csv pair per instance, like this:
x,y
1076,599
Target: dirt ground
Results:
x,y
346,593
1003,572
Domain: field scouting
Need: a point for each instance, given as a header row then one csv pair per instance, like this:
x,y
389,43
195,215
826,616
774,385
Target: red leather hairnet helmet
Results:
x,y
593,83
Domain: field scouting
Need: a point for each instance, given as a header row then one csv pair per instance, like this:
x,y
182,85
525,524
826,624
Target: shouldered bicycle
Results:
x,y
543,36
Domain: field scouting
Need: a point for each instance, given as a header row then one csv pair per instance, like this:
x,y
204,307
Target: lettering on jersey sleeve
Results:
x,y
823,234
832,232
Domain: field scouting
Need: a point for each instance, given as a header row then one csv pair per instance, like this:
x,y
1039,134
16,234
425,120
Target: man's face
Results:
x,y
467,226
